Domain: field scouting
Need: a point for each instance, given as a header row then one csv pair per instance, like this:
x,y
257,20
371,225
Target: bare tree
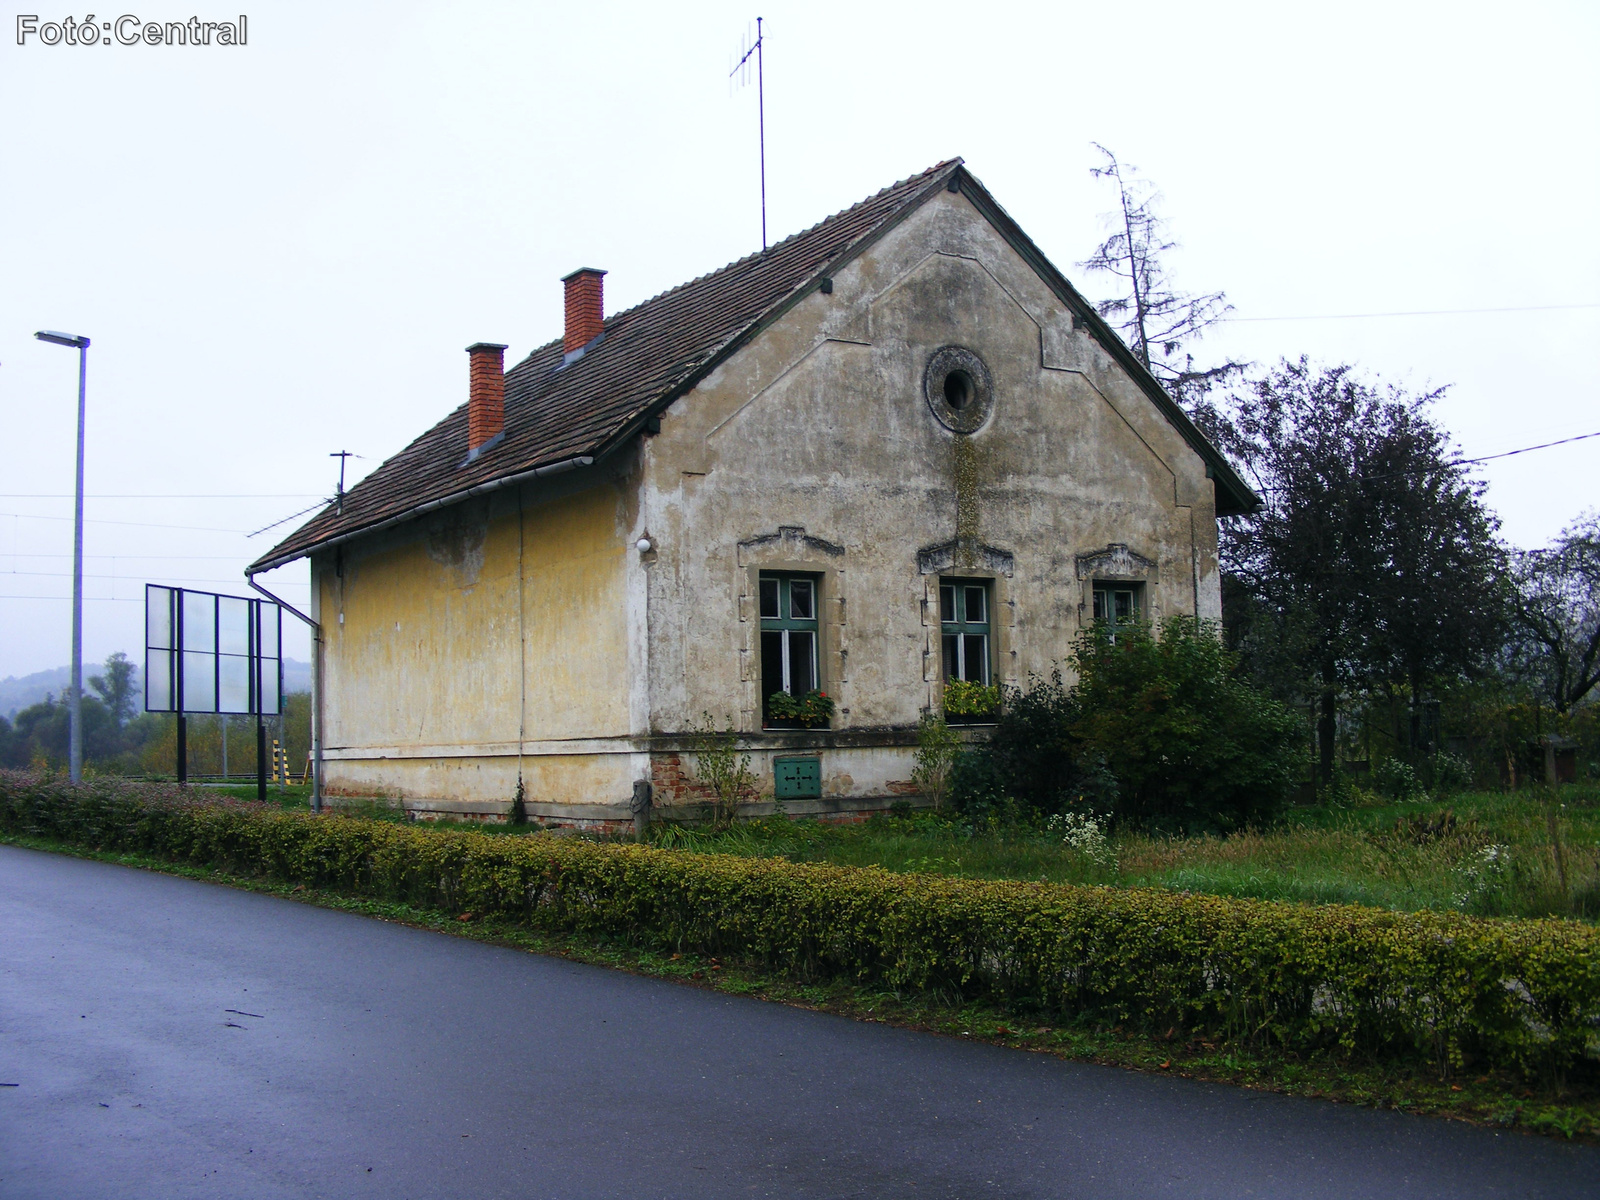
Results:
x,y
1158,322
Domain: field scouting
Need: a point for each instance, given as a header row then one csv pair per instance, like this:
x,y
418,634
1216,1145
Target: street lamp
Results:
x,y
75,704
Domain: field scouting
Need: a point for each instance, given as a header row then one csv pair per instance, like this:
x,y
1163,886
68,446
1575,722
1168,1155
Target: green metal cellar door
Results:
x,y
797,778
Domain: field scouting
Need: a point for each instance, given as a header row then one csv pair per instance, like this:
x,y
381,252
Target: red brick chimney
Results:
x,y
586,308
486,394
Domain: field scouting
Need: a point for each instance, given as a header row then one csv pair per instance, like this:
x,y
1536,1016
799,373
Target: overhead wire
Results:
x,y
1456,462
157,495
1421,312
109,521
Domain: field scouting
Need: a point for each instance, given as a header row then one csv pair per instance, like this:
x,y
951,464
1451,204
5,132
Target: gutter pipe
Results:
x,y
316,688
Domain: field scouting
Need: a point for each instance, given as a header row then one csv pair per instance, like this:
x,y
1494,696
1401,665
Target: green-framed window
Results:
x,y
1117,604
789,606
964,623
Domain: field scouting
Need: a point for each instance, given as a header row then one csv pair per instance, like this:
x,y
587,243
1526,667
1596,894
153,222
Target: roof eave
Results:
x,y
272,561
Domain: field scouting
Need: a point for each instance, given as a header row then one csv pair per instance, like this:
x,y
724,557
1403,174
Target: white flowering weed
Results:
x,y
1486,870
1085,834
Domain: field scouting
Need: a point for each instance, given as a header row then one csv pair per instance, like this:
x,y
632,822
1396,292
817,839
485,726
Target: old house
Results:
x,y
893,451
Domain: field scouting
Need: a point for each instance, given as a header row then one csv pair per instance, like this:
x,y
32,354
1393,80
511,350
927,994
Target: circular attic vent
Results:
x,y
958,387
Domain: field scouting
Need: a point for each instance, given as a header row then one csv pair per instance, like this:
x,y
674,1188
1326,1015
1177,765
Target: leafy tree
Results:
x,y
116,687
42,732
1373,556
8,746
1158,322
1557,618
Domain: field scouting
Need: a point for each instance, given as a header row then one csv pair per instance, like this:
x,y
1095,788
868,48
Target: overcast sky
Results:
x,y
281,249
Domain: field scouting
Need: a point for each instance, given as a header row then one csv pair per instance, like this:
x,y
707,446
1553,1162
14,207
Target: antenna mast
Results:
x,y
761,111
342,456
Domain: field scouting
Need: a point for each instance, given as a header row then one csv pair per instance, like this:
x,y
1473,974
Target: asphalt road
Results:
x,y
173,1039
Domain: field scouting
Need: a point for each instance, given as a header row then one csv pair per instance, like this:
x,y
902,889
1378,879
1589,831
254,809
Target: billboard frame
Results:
x,y
175,654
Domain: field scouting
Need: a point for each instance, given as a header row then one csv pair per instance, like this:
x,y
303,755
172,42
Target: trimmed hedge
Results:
x,y
1522,994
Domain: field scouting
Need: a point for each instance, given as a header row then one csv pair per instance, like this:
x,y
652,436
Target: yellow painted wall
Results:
x,y
436,659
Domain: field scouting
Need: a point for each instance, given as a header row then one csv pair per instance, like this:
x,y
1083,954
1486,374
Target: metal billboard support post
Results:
x,y
178,685
261,758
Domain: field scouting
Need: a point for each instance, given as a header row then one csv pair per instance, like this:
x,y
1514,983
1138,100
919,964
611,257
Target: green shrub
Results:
x,y
1159,732
937,749
1191,744
1032,764
1457,990
721,770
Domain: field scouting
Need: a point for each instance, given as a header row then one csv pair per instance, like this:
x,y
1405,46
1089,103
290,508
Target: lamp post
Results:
x,y
75,703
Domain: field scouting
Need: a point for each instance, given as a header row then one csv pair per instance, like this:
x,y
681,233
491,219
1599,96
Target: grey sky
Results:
x,y
281,249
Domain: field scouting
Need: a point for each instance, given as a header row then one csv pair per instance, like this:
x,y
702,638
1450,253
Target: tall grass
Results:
x,y
1488,854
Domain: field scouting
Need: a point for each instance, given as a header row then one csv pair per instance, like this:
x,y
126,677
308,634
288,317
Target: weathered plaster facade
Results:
x,y
524,634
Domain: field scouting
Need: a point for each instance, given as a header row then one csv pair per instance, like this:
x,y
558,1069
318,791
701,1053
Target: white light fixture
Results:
x,y
644,545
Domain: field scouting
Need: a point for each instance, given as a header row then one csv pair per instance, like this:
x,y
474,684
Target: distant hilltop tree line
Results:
x,y
1372,592
120,739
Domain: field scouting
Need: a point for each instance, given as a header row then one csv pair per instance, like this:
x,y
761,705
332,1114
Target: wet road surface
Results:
x,y
173,1039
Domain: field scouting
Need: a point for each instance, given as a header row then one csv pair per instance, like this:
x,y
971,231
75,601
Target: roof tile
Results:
x,y
556,413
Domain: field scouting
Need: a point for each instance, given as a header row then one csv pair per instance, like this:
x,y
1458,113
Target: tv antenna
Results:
x,y
742,70
343,456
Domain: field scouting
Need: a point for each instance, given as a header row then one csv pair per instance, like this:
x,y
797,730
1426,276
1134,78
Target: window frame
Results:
x,y
1102,603
954,633
786,624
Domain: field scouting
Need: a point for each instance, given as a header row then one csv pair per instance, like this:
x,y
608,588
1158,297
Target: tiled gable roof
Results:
x,y
555,414
560,416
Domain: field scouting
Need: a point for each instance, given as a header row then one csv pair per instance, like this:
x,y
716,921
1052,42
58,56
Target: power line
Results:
x,y
1424,312
105,521
140,578
1542,446
159,495
130,557
1457,462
